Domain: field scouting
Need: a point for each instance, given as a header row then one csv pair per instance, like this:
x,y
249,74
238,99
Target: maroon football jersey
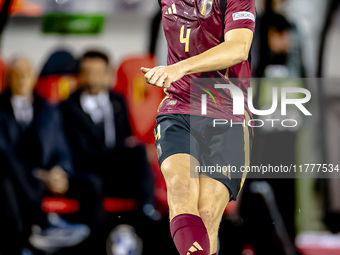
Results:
x,y
191,27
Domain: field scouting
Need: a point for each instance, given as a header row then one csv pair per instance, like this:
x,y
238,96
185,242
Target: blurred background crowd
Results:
x,y
78,166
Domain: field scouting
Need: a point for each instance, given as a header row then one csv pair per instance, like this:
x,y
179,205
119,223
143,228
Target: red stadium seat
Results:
x,y
231,208
115,205
56,88
70,206
23,8
58,77
248,250
60,205
143,101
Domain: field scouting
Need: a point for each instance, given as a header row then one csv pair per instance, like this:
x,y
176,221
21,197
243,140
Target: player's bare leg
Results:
x,y
187,228
182,190
213,199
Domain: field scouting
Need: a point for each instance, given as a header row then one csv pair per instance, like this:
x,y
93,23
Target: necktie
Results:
x,y
108,117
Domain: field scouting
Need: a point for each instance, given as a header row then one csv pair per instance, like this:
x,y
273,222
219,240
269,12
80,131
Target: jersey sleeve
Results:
x,y
240,14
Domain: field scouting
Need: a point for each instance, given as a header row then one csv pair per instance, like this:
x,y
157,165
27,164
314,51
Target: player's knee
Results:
x,y
210,218
177,186
208,214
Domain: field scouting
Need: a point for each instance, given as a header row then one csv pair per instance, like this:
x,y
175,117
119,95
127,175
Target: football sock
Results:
x,y
190,235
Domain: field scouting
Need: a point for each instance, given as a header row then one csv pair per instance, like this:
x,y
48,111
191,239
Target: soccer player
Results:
x,y
206,39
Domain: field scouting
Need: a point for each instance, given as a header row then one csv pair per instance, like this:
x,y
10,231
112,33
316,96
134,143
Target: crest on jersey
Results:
x,y
171,102
206,6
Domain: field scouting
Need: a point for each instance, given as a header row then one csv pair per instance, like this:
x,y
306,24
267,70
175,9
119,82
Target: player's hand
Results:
x,y
163,76
56,179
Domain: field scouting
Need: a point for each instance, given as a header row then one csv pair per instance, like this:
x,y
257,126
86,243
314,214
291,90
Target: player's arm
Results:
x,y
232,51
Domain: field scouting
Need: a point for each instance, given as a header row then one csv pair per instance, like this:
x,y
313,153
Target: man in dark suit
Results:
x,y
34,155
98,129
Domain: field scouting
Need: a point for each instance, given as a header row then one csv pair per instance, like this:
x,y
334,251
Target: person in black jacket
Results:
x,y
34,155
97,126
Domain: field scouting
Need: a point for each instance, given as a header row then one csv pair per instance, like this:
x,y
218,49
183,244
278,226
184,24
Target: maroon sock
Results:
x,y
190,235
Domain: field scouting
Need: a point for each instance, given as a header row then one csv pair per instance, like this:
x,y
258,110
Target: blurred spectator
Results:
x,y
35,159
280,65
278,42
98,129
57,78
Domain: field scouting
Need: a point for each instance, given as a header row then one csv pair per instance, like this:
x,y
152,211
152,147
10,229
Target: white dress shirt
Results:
x,y
23,109
100,109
